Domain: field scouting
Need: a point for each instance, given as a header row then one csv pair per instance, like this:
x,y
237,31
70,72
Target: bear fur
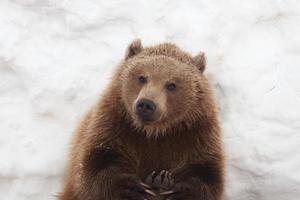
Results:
x,y
113,152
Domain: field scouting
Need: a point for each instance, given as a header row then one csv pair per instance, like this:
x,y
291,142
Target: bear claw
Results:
x,y
162,180
131,188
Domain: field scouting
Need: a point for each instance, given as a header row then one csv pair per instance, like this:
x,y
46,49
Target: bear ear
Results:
x,y
134,48
200,61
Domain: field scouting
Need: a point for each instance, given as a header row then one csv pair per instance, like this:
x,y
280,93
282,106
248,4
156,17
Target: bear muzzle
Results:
x,y
145,110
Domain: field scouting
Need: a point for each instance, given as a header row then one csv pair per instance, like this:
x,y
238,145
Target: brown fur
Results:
x,y
111,145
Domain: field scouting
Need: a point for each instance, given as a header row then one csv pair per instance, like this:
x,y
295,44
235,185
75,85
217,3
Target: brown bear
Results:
x,y
157,114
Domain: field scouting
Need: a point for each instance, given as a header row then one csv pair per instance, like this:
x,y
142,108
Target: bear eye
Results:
x,y
171,86
142,80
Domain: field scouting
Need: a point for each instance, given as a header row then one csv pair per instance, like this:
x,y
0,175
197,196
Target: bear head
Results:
x,y
162,87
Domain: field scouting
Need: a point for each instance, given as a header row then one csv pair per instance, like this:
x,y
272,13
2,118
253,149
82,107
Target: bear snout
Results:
x,y
145,109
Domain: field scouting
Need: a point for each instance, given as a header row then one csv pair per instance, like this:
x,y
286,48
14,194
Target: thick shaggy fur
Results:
x,y
112,152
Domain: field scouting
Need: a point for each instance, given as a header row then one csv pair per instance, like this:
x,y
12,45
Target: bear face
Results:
x,y
161,89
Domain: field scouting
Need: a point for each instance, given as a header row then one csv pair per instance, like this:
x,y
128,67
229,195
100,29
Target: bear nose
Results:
x,y
145,108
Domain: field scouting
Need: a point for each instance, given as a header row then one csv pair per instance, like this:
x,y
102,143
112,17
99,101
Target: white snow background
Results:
x,y
56,56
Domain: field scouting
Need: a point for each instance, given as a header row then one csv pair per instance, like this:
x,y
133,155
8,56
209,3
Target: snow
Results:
x,y
57,56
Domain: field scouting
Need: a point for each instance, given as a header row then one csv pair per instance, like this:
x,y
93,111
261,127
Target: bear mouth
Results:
x,y
146,119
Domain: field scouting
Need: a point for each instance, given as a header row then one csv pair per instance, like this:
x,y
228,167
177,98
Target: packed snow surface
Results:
x,y
56,57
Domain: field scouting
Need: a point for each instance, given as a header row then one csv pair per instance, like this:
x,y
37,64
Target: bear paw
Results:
x,y
162,180
132,188
180,191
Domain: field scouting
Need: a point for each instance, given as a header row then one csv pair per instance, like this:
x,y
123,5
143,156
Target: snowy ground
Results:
x,y
56,57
